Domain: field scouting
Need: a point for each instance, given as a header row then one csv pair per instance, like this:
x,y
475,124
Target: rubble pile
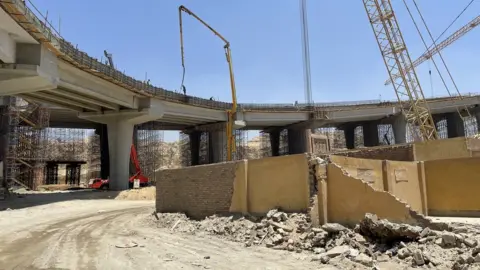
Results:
x,y
370,243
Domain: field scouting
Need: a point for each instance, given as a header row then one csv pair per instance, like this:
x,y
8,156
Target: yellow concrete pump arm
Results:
x,y
231,113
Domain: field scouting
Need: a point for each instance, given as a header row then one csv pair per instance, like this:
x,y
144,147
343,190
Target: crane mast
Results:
x,y
442,45
396,58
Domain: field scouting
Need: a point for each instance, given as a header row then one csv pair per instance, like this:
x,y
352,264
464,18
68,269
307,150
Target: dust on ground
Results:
x,y
116,234
145,193
373,243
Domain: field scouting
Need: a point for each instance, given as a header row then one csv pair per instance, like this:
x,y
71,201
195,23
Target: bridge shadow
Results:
x,y
30,199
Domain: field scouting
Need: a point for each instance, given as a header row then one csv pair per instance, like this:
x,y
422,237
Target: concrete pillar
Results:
x,y
132,169
477,116
195,147
370,134
349,131
119,142
275,143
455,127
102,131
399,126
217,141
298,141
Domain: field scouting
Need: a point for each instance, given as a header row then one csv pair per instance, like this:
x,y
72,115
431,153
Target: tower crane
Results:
x,y
231,112
442,45
396,58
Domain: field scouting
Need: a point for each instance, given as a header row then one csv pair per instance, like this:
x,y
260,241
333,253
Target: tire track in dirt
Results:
x,y
89,242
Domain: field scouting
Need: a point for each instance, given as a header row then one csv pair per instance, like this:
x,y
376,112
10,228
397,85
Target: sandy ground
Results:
x,y
114,234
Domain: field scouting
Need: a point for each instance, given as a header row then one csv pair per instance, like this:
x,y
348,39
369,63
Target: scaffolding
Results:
x,y
149,148
27,141
209,140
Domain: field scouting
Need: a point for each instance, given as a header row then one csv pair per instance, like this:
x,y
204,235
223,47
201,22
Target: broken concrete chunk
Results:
x,y
281,226
271,213
387,231
404,253
448,239
363,259
418,258
336,251
333,227
470,242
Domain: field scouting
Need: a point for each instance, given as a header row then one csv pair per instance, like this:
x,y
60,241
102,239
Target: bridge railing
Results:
x,y
46,32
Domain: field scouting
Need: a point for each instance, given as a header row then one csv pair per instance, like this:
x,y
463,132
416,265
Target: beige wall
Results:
x,y
349,199
453,186
443,149
278,182
402,179
368,170
247,186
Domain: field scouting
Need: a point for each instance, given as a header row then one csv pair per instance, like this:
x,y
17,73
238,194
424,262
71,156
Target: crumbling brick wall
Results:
x,y
402,152
197,191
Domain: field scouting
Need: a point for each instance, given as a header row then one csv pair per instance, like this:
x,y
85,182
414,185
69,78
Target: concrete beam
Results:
x,y
7,47
46,101
25,85
83,99
130,116
64,100
86,84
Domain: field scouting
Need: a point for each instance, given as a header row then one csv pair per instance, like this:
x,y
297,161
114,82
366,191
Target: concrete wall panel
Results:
x,y
278,182
453,187
442,149
349,199
368,170
403,181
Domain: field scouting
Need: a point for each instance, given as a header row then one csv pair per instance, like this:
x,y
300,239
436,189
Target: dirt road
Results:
x,y
109,234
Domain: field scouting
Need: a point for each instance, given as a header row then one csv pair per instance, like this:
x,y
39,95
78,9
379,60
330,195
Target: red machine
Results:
x,y
99,183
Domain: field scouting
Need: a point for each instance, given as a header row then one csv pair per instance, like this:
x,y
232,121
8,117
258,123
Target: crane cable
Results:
x,y
453,22
434,44
443,61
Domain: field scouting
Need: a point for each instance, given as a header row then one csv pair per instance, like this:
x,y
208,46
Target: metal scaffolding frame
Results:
x,y
26,146
149,148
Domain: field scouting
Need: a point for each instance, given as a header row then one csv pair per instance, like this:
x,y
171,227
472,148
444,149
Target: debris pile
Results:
x,y
371,242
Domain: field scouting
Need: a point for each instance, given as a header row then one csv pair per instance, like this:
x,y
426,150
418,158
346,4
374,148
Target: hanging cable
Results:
x,y
431,80
443,61
433,60
453,22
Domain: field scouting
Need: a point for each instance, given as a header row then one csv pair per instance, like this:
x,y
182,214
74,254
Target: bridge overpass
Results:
x,y
39,65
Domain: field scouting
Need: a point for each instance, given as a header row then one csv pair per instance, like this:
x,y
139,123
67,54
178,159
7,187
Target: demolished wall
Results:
x,y
348,199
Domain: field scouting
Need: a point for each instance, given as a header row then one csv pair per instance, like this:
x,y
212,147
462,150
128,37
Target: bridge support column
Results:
x,y
370,134
195,147
120,126
275,142
119,142
455,127
349,131
101,130
477,117
399,127
217,141
298,141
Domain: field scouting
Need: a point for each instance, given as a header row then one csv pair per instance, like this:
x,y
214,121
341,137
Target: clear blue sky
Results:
x,y
265,38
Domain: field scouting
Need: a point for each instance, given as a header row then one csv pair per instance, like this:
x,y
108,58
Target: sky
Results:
x,y
265,38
